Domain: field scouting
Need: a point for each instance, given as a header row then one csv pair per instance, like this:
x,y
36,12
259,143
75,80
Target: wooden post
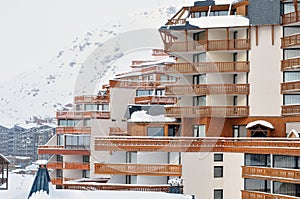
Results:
x,y
206,38
227,37
273,35
256,32
296,9
186,40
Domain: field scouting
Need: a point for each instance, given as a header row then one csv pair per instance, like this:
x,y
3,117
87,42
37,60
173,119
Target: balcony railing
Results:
x,y
155,100
77,165
207,67
135,83
208,89
82,114
290,110
61,150
208,111
211,45
290,87
289,18
281,175
139,169
92,99
54,165
176,21
290,64
73,130
290,41
261,195
57,181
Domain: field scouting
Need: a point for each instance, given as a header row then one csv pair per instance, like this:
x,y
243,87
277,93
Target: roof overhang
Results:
x,y
260,123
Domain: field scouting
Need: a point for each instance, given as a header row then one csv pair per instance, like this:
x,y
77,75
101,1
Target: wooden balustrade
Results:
x,y
91,99
290,110
262,195
276,174
290,41
73,130
54,165
289,87
208,89
207,67
77,165
176,21
139,169
116,131
284,146
208,111
289,64
289,18
134,84
61,150
57,181
155,100
188,46
82,114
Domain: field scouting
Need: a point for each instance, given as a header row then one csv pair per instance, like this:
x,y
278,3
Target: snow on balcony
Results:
x,y
219,21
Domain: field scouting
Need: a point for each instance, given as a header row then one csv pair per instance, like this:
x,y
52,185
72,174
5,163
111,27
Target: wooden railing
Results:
x,y
290,18
54,165
155,100
116,131
290,41
186,46
282,146
208,89
176,21
77,165
139,169
281,175
207,67
290,110
57,181
289,87
135,84
159,52
289,64
61,150
208,111
73,130
261,195
82,114
91,99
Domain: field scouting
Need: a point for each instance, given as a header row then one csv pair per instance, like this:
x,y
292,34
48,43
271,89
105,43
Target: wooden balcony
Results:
x,y
139,169
73,130
189,46
82,114
91,99
207,67
155,100
275,174
136,84
279,146
290,87
207,89
208,111
290,18
291,110
77,165
57,181
290,41
261,195
61,150
290,64
176,21
54,165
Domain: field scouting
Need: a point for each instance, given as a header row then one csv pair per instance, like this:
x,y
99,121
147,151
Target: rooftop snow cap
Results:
x,y
205,3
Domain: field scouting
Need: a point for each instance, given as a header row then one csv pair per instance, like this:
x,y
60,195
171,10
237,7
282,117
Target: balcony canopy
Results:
x,y
260,123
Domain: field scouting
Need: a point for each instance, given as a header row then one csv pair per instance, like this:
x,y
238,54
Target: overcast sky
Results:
x,y
33,31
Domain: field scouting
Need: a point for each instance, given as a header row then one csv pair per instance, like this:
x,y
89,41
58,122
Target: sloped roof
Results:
x,y
260,122
3,158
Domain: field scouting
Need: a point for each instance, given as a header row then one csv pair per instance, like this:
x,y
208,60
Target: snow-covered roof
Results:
x,y
41,162
219,21
142,116
4,158
294,133
260,122
28,126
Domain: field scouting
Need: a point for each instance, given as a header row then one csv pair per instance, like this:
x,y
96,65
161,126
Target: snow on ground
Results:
x,y
20,185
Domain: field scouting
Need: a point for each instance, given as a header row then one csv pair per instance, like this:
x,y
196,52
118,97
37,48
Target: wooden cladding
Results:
x,y
290,87
69,165
208,89
57,181
290,41
155,100
208,111
73,130
292,17
139,169
82,114
93,99
54,165
279,146
61,150
211,45
291,110
207,67
290,64
261,195
275,174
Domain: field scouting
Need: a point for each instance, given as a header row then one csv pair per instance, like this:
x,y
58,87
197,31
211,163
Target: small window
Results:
x,y
218,194
155,131
199,131
218,157
86,158
218,172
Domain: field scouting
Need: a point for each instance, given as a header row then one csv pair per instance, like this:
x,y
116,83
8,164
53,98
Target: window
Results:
x,y
199,101
199,131
291,76
218,172
259,160
218,194
199,79
59,158
131,157
91,107
201,57
78,141
59,173
218,157
288,162
291,99
291,53
286,189
86,158
239,131
155,131
85,174
144,92
160,92
199,14
218,13
257,185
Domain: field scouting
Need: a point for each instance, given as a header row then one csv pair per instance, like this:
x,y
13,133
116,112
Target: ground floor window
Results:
x,y
218,194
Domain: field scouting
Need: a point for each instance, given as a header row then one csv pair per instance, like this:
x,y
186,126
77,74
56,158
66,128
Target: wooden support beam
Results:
x,y
227,37
206,39
256,33
273,35
296,9
186,40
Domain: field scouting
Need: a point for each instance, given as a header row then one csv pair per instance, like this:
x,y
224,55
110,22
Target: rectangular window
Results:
x,y
218,194
218,172
259,160
199,131
282,161
286,189
239,131
291,76
291,99
218,157
218,13
59,158
257,185
160,92
144,92
91,107
199,101
199,79
201,57
291,53
59,173
155,131
85,174
85,158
